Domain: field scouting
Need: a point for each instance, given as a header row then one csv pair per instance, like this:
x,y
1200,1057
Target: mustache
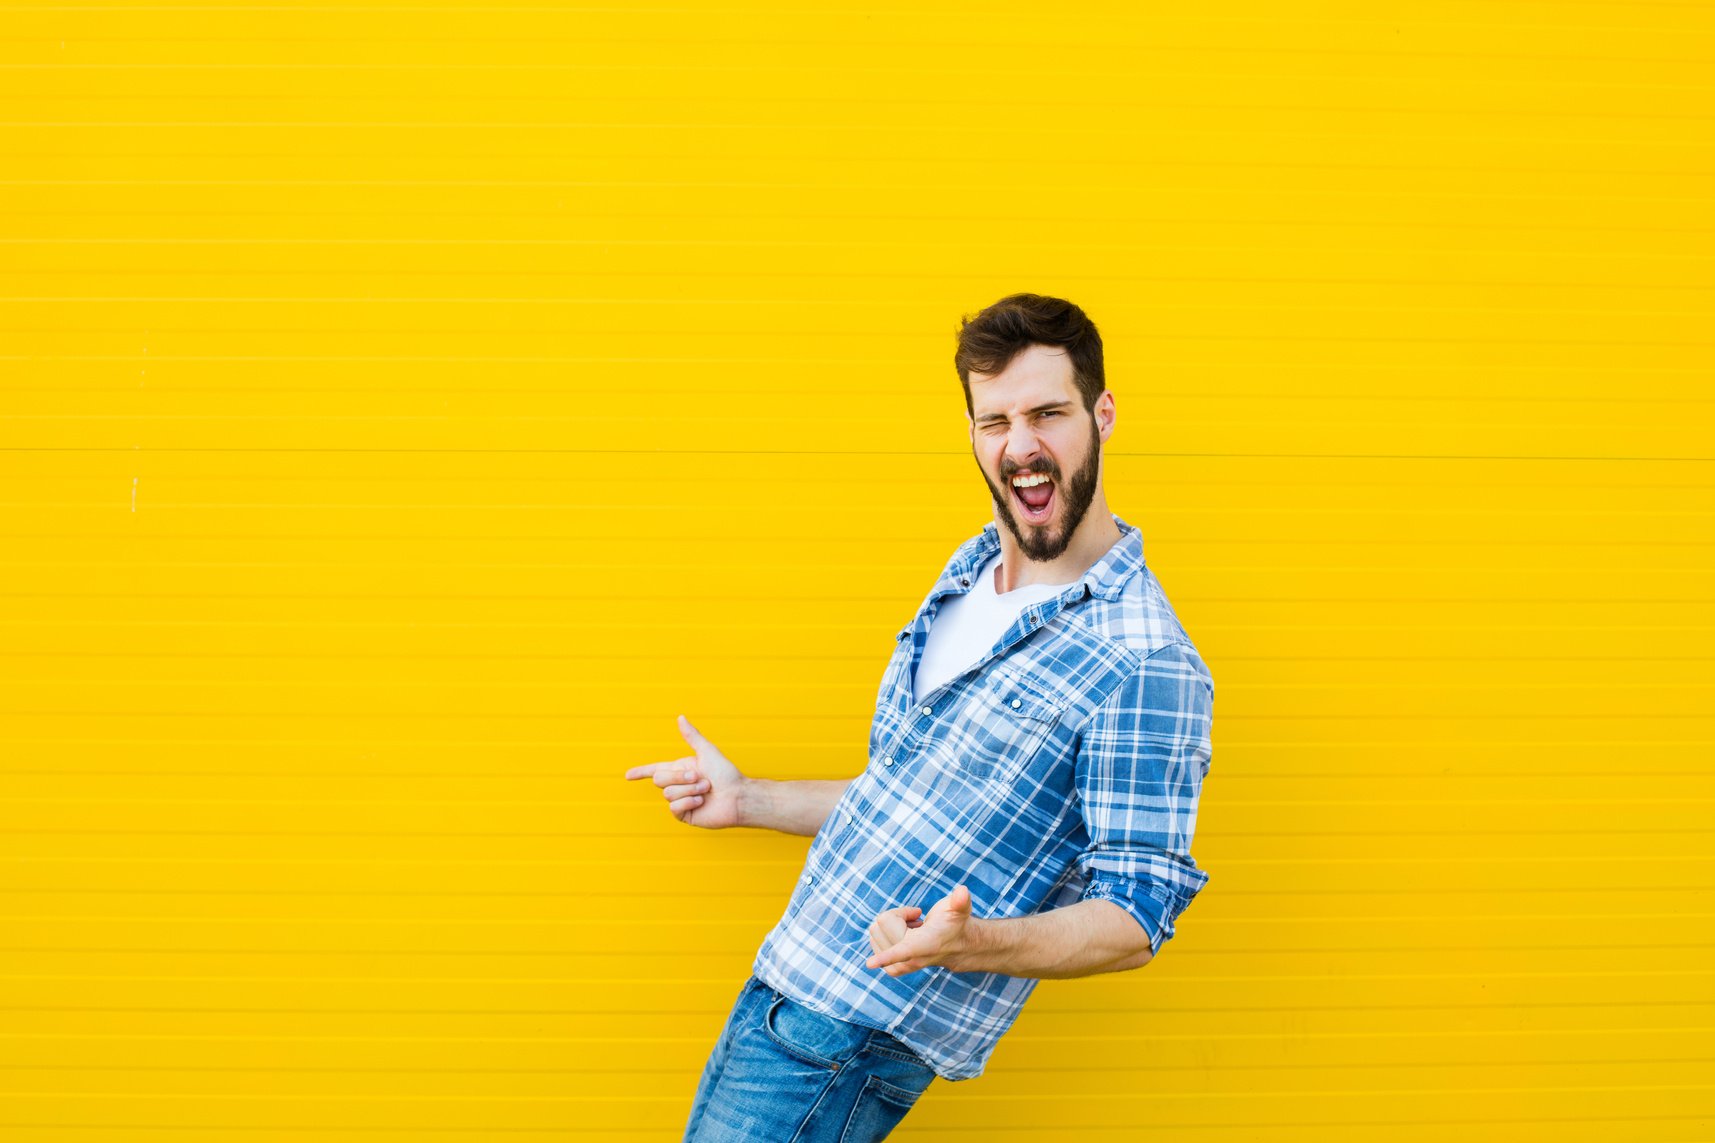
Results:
x,y
1009,473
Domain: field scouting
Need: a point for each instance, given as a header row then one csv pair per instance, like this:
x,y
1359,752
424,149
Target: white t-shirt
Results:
x,y
967,625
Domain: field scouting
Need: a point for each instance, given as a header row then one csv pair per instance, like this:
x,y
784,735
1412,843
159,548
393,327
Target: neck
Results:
x,y
1096,534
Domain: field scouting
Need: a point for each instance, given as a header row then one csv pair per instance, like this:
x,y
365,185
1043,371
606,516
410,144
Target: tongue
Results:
x,y
1037,495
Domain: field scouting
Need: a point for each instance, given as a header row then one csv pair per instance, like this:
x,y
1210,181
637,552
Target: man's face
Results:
x,y
1029,420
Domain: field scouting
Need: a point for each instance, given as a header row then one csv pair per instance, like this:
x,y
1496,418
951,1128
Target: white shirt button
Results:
x,y
1016,704
928,710
809,879
888,760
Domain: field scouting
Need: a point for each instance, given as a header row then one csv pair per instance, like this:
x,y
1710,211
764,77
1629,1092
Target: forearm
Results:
x,y
799,806
1081,939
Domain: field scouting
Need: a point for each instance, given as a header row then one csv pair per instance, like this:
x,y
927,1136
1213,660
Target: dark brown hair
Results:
x,y
988,341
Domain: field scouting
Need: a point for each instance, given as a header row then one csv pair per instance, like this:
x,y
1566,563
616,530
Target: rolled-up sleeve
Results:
x,y
1142,757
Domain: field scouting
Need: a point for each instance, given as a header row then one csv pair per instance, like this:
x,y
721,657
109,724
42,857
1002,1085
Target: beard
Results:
x,y
1043,543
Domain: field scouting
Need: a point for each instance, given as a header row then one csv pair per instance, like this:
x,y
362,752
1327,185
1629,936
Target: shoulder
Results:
x,y
1141,620
1118,654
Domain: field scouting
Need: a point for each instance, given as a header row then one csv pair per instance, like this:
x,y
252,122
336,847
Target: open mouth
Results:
x,y
1034,499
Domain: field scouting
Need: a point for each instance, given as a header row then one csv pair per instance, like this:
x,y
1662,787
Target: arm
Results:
x,y
1082,939
791,807
707,790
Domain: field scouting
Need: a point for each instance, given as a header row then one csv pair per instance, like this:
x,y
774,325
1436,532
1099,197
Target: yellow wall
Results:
x,y
409,411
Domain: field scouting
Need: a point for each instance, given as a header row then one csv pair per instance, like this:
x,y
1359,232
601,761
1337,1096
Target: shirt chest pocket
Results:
x,y
999,727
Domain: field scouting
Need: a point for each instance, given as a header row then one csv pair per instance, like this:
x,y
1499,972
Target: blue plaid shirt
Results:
x,y
1064,766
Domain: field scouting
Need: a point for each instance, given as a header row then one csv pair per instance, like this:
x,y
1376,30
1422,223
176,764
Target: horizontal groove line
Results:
x,y
655,454
1466,27
409,657
647,801
419,390
1126,1097
631,894
1391,26
226,859
1196,1037
844,719
1463,225
1021,1070
723,982
519,214
1130,1125
826,540
941,72
1037,1009
1198,954
771,894
782,185
462,862
1014,1038
916,104
815,243
830,600
338,159
565,359
895,129
1235,803
225,918
1439,775
1509,686
533,743
824,184
568,300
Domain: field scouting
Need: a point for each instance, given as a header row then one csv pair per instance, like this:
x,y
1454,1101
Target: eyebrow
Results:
x,y
987,417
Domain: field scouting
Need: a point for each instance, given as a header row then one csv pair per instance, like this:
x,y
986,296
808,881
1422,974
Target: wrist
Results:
x,y
975,945
753,799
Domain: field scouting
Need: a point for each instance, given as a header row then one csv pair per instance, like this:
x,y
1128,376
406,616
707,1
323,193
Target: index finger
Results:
x,y
647,770
905,949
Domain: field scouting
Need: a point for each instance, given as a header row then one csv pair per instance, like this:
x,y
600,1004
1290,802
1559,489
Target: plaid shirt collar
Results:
x,y
1106,578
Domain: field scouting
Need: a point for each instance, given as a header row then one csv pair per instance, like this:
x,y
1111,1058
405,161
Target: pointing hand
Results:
x,y
702,790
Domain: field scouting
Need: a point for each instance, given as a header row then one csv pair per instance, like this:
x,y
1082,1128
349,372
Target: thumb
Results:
x,y
690,733
955,906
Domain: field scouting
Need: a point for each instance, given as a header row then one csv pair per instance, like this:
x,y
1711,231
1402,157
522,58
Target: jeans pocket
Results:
x,y
810,1036
881,1105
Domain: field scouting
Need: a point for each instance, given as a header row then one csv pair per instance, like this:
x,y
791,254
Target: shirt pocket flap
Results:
x,y
1026,700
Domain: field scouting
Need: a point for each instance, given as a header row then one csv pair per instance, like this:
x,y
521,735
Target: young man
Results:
x,y
1039,745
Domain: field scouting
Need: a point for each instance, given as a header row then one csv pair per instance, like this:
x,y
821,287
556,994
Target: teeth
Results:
x,y
1028,481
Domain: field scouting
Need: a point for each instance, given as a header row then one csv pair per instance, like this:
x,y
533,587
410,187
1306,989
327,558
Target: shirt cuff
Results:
x,y
1149,911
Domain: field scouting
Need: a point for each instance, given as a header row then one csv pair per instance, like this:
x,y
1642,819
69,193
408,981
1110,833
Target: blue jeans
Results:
x,y
781,1073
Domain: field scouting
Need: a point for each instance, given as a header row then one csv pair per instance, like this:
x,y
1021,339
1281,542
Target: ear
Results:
x,y
1104,413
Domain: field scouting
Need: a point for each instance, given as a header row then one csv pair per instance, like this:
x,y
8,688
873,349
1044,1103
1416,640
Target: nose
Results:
x,y
1023,448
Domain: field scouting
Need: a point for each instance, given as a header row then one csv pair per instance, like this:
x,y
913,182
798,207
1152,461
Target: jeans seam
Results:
x,y
821,1097
874,1083
903,1095
896,1054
